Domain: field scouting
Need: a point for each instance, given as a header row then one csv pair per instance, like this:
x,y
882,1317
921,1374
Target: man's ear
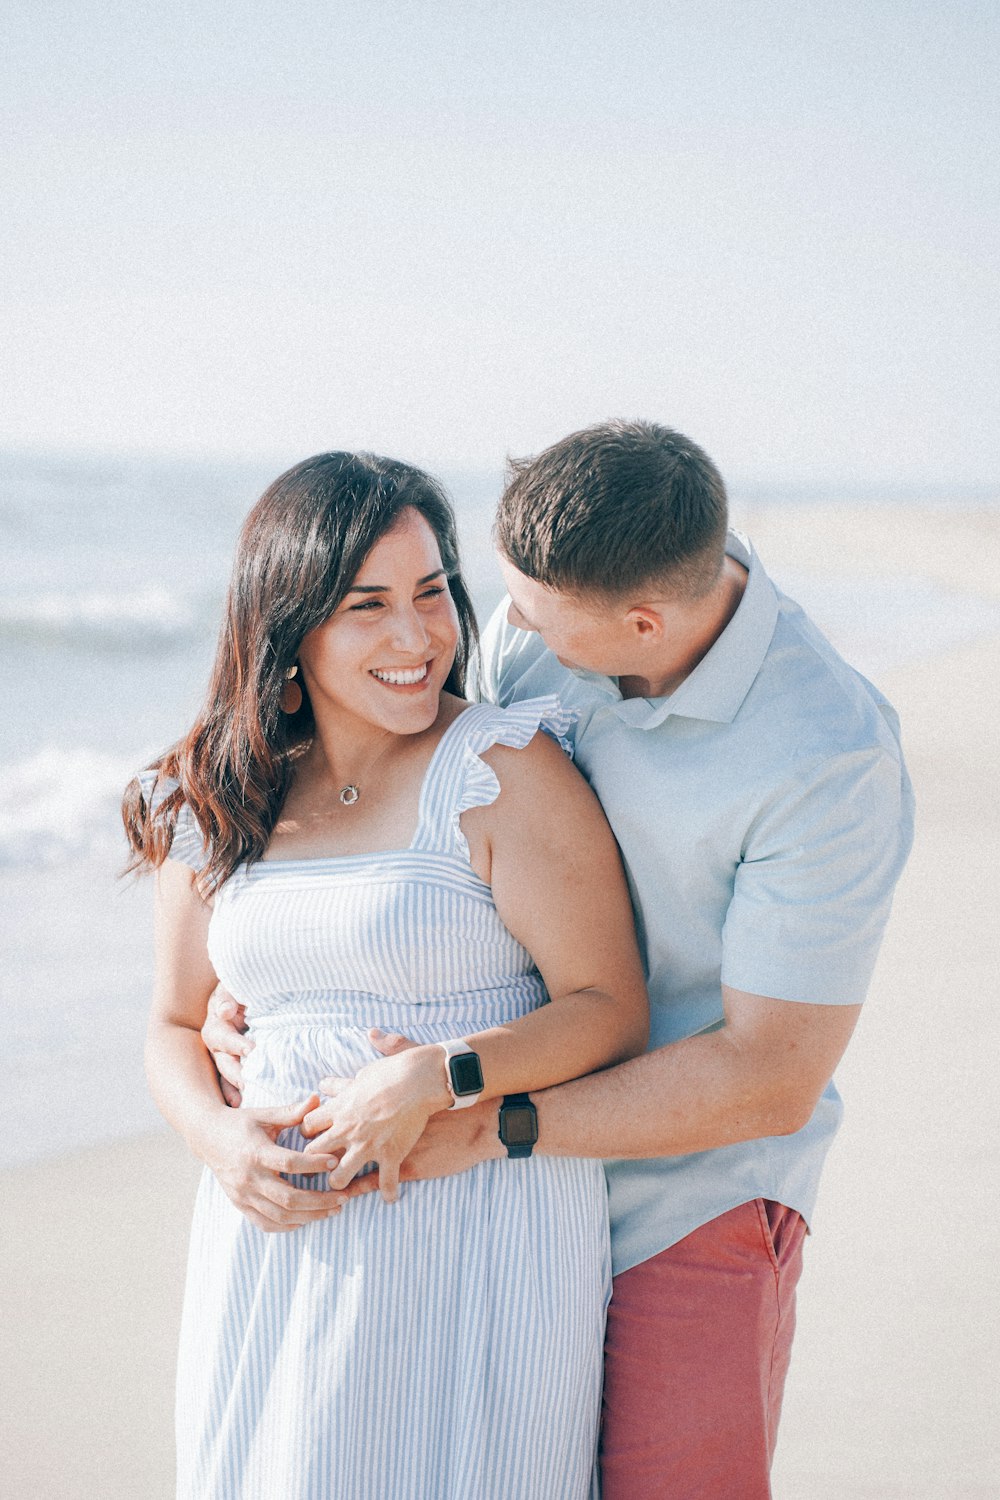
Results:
x,y
647,622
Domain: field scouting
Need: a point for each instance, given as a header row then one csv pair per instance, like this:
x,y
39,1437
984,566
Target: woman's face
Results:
x,y
384,655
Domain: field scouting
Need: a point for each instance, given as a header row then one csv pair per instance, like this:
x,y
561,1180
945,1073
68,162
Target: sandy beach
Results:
x,y
892,1391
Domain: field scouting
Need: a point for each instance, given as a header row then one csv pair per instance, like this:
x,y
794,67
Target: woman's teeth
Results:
x,y
401,678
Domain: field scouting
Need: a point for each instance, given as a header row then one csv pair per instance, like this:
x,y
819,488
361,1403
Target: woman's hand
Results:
x,y
379,1115
243,1154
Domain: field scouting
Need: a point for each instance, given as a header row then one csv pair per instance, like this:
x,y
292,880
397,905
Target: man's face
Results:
x,y
580,633
650,646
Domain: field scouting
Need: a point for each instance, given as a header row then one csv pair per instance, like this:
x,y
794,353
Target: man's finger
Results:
x,y
223,1036
389,1180
390,1042
369,1183
232,1095
228,1068
222,1003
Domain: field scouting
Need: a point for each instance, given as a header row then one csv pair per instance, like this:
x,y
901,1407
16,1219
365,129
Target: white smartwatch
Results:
x,y
464,1073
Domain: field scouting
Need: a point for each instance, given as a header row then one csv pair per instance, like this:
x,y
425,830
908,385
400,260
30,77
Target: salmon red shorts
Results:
x,y
698,1344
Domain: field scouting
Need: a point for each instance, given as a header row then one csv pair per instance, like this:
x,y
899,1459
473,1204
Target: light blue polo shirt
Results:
x,y
764,815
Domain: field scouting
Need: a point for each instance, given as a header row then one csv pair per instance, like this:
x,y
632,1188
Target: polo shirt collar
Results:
x,y
715,690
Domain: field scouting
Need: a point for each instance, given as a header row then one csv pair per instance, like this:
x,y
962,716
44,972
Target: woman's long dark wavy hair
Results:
x,y
300,549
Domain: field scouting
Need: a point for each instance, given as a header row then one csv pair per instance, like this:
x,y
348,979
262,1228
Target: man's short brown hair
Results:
x,y
616,508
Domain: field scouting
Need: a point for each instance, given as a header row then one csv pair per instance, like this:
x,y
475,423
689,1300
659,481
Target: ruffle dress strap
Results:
x,y
462,779
187,844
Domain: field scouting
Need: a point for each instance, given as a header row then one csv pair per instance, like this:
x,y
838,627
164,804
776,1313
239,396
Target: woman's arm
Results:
x,y
238,1145
547,851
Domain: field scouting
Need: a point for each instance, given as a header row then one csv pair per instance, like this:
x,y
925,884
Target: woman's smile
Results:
x,y
402,676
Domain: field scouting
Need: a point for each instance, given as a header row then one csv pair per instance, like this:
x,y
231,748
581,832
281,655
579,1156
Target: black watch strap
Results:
x,y
518,1124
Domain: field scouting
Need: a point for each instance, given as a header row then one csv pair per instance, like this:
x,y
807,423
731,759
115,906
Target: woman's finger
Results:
x,y
287,1163
308,1203
268,1214
317,1120
334,1085
351,1163
390,1042
330,1141
283,1116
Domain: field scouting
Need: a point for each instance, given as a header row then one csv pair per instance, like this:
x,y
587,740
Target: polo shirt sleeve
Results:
x,y
813,889
512,662
487,676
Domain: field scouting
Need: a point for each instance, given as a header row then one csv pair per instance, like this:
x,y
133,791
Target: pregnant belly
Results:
x,y
287,1062
295,1048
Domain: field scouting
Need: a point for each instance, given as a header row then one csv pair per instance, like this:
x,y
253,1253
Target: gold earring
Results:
x,y
291,693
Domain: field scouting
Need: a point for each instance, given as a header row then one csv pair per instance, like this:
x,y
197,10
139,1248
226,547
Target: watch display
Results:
x,y
466,1073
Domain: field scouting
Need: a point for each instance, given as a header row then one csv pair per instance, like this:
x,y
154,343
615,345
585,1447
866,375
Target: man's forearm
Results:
x,y
693,1095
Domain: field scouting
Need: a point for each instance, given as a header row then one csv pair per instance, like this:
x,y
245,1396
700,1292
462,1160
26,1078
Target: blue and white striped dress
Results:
x,y
448,1346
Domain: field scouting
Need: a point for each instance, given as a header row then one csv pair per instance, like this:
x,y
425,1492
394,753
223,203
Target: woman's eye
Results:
x,y
433,593
368,604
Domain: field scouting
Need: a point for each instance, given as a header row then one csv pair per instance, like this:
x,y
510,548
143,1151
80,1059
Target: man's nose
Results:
x,y
515,618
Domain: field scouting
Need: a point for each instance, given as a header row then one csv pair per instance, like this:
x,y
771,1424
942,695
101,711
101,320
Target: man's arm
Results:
x,y
761,1074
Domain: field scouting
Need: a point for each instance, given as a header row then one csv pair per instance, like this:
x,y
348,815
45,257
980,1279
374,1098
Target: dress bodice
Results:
x,y
370,938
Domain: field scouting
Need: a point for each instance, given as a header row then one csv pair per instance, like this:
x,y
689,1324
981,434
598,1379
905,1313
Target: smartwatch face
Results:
x,y
520,1125
466,1074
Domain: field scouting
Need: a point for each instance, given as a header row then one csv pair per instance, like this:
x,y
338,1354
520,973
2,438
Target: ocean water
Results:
x,y
111,581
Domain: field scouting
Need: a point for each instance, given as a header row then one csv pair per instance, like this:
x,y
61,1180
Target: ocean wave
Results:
x,y
143,620
58,804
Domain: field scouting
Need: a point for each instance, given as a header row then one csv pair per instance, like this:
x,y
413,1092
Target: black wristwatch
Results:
x,y
518,1124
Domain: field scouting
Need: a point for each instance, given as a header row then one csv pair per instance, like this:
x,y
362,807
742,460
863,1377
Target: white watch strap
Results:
x,y
456,1049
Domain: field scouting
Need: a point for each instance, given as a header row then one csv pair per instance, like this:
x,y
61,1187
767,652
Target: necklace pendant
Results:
x,y
349,794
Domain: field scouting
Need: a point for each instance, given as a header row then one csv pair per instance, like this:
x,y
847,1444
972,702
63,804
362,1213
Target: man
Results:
x,y
756,788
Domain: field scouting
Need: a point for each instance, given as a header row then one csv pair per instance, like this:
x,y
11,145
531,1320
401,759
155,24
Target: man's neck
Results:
x,y
705,625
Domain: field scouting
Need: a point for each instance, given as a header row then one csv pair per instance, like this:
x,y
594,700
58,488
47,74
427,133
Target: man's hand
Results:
x,y
452,1141
223,1035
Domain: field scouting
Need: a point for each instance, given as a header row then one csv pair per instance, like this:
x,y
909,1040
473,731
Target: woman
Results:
x,y
345,843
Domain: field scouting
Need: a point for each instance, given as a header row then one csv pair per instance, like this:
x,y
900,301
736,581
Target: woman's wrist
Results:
x,y
427,1066
206,1129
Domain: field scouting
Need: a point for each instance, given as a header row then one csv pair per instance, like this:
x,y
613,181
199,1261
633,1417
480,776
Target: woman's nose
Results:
x,y
410,632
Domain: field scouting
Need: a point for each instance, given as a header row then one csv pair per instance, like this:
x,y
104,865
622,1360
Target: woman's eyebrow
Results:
x,y
383,588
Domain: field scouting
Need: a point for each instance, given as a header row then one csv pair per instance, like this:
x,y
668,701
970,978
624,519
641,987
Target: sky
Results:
x,y
452,232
